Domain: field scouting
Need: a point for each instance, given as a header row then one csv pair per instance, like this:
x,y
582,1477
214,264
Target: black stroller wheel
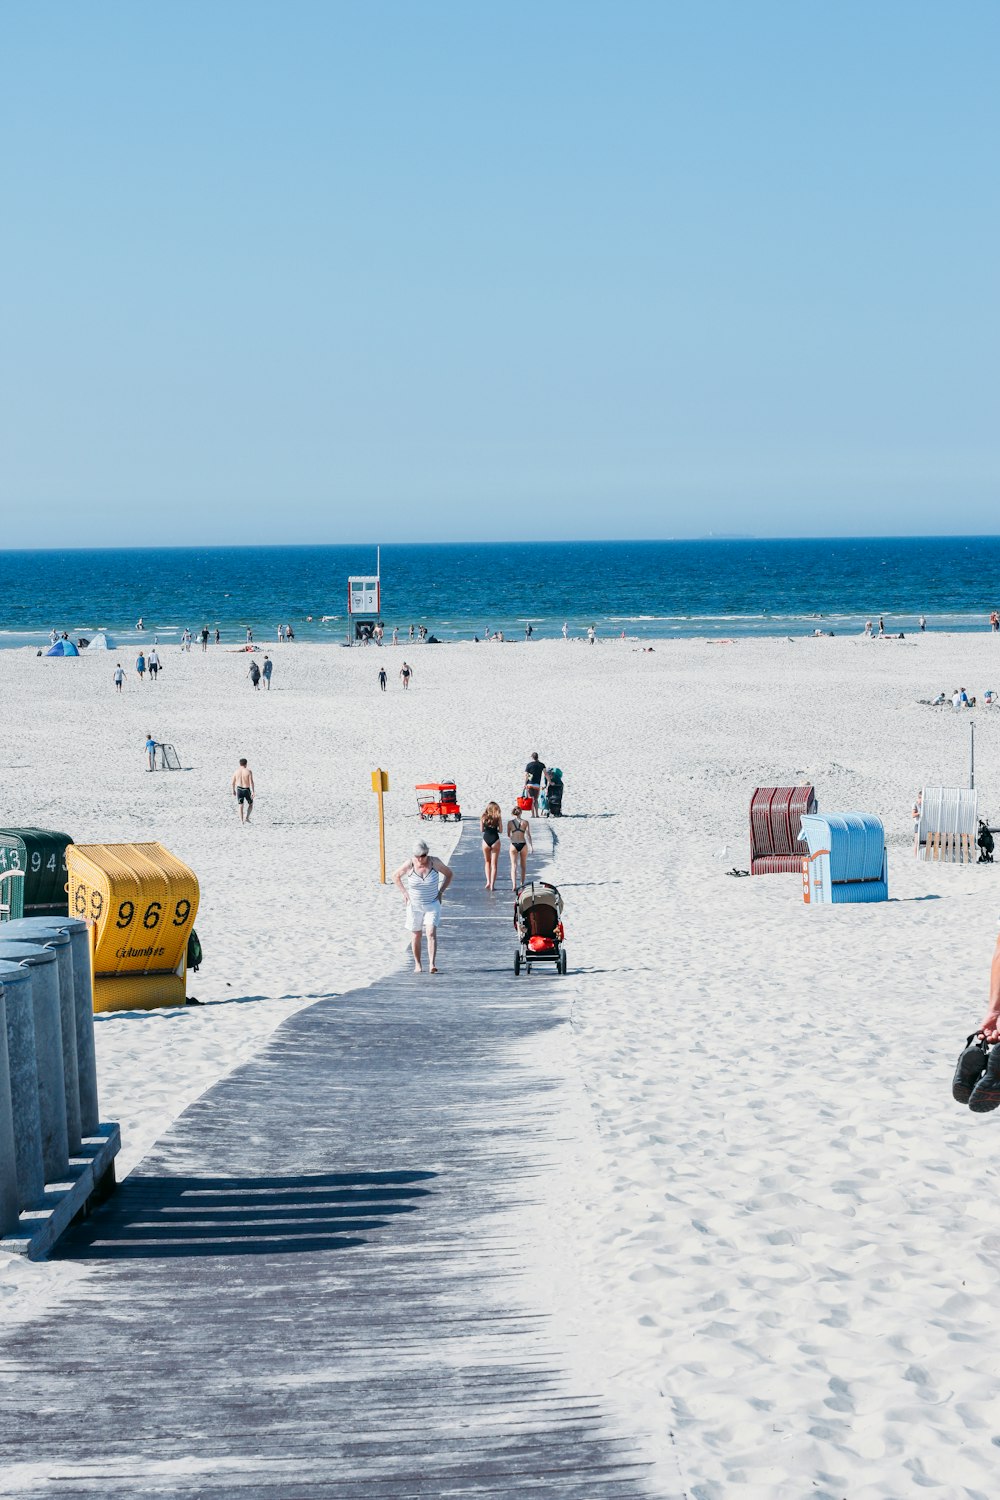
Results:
x,y
562,962
517,963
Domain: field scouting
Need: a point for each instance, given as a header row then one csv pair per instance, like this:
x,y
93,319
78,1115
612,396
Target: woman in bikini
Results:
x,y
519,834
490,823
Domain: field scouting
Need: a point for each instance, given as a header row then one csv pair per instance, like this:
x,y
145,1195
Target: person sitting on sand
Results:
x,y
519,833
423,880
940,700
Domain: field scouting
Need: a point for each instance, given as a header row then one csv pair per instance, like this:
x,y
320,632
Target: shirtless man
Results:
x,y
243,790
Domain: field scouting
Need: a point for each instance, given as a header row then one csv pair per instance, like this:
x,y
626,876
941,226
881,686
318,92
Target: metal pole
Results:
x,y
380,785
381,837
972,757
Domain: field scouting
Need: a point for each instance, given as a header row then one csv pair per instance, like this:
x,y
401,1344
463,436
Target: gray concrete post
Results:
x,y
48,1052
59,941
23,1066
28,929
9,1202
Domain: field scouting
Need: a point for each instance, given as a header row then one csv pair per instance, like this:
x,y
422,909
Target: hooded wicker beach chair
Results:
x,y
846,860
948,825
775,820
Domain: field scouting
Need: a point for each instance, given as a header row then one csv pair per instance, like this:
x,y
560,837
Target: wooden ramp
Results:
x,y
311,1287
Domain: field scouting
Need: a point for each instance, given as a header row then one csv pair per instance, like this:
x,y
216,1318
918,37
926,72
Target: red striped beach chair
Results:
x,y
776,814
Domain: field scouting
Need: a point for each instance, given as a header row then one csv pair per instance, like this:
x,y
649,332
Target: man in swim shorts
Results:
x,y
533,773
243,790
422,880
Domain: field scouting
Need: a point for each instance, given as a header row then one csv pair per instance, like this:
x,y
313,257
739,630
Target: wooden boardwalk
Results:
x,y
310,1288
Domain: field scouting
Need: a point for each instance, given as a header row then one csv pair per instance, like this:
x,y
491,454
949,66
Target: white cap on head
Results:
x,y
420,847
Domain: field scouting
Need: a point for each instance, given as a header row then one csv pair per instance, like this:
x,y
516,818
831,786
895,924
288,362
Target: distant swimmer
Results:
x,y
395,635
591,634
204,637
243,790
406,672
923,622
565,630
382,678
218,637
249,636
119,678
139,625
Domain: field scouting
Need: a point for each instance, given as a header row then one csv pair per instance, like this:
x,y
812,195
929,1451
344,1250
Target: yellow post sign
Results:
x,y
380,785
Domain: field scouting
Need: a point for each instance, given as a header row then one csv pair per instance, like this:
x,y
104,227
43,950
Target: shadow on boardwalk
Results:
x,y
170,1216
315,1285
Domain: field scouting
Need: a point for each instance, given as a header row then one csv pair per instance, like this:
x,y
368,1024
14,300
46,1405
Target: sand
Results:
x,y
783,1231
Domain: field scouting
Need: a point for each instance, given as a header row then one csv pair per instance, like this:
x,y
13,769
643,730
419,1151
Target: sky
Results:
x,y
335,272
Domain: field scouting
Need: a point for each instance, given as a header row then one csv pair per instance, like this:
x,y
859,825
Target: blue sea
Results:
x,y
648,589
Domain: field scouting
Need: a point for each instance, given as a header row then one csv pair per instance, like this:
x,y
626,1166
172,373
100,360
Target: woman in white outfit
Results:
x,y
423,880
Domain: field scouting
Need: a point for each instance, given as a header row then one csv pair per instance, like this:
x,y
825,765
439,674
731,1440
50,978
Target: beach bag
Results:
x,y
525,803
194,954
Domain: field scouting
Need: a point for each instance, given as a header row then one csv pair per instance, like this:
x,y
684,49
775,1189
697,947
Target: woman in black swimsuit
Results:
x,y
490,823
519,834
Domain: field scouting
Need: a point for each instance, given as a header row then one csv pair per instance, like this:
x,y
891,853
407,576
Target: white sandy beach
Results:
x,y
785,1231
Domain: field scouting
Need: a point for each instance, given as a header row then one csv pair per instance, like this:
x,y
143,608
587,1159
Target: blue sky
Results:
x,y
333,272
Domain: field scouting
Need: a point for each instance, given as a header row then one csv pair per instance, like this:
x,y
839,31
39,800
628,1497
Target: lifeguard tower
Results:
x,y
364,604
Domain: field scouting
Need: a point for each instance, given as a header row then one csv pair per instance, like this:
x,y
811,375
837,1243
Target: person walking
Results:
x,y
923,622
406,672
591,634
489,825
153,663
150,753
423,880
382,678
140,666
204,638
268,669
565,630
243,790
519,833
218,636
119,679
249,636
253,672
533,773
395,635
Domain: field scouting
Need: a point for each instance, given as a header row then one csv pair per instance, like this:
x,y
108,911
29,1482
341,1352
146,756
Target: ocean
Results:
x,y
648,589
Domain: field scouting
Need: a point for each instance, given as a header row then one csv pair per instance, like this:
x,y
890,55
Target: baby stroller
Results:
x,y
550,804
538,919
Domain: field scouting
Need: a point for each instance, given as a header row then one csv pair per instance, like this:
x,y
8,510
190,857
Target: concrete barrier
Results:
x,y
48,1052
35,929
23,1072
9,1205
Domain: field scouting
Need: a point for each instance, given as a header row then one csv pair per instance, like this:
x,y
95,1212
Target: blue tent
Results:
x,y
62,648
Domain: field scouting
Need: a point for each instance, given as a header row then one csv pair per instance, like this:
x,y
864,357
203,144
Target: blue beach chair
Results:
x,y
846,862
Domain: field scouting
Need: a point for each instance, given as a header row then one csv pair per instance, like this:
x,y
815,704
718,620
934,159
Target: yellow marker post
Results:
x,y
380,785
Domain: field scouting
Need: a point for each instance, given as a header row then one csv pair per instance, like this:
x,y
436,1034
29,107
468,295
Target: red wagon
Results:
x,y
438,799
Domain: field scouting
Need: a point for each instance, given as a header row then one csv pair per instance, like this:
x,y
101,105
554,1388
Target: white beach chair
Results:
x,y
948,824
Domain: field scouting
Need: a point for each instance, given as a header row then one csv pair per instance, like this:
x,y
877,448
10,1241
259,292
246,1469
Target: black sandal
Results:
x,y
986,1094
971,1066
